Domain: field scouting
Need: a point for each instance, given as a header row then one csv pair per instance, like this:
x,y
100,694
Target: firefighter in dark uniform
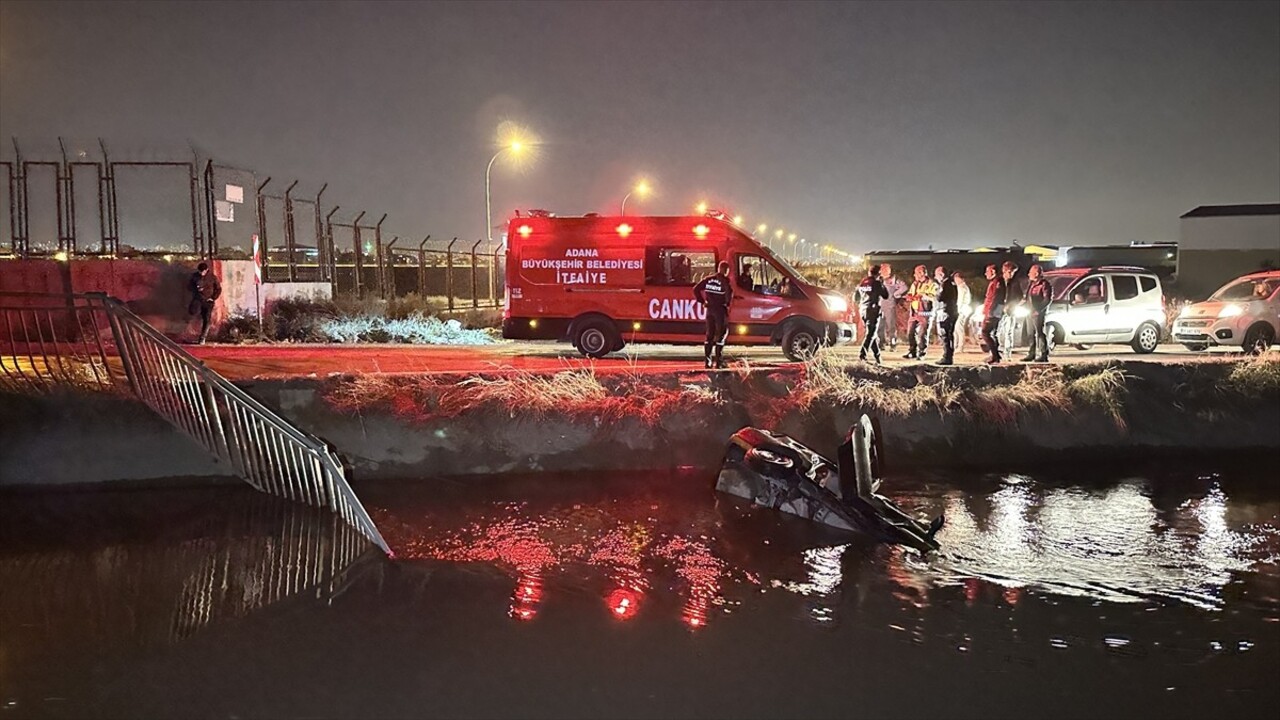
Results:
x,y
871,292
947,312
714,293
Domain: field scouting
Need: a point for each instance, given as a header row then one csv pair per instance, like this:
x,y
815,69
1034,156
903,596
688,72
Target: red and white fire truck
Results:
x,y
603,282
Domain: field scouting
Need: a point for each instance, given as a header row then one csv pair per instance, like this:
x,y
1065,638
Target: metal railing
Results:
x,y
56,340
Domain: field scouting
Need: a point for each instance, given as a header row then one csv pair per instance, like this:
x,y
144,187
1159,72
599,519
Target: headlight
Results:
x,y
835,303
1021,311
1230,310
1185,311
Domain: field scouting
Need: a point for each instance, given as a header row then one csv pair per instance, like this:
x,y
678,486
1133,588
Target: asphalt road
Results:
x,y
250,361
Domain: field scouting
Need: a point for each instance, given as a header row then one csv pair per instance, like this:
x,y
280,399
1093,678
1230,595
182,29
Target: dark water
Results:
x,y
1152,594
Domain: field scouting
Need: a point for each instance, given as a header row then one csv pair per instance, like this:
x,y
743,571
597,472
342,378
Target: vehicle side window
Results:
x,y
1125,286
677,267
1148,283
1089,292
758,275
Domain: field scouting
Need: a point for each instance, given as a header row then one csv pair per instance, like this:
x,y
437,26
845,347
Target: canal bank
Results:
x,y
405,426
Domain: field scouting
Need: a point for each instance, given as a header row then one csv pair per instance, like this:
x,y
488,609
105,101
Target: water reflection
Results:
x,y
1111,544
90,588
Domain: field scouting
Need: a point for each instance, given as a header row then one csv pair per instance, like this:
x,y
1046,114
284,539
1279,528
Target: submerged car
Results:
x,y
1112,304
775,471
1244,313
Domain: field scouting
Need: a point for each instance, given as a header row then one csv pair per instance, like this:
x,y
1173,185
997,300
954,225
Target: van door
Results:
x,y
762,293
1086,319
1126,312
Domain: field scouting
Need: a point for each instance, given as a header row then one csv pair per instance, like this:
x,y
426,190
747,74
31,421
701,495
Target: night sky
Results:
x,y
866,126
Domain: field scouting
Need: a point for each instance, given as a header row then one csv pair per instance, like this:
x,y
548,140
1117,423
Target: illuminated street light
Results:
x,y
642,189
737,220
701,207
517,144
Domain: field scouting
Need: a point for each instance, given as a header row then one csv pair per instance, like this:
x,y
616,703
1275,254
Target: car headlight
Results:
x,y
1185,311
835,303
1021,311
1230,310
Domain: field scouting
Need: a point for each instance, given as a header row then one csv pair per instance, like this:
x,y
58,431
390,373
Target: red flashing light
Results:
x,y
701,230
624,230
524,231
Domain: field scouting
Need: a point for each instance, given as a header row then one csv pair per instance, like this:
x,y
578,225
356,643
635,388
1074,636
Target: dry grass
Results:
x,y
1104,389
826,383
1256,377
1039,390
571,392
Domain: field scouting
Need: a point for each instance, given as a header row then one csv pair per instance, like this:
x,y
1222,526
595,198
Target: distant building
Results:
x,y
1159,258
1219,242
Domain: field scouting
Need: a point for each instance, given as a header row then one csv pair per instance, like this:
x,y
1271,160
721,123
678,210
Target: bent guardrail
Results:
x,y
60,339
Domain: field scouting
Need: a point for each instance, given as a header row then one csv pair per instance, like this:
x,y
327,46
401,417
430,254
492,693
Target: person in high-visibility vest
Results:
x,y
920,298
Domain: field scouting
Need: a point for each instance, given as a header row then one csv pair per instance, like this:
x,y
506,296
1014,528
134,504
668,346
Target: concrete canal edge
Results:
x,y
420,427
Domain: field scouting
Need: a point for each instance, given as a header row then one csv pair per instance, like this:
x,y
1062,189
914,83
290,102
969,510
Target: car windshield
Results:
x,y
1247,289
1060,283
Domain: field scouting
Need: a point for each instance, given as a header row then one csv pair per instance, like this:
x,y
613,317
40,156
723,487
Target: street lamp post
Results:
x,y
641,188
515,147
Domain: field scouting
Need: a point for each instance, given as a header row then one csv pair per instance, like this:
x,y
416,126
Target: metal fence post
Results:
x,y
378,257
355,232
422,266
475,301
322,250
448,272
290,241
332,251
391,265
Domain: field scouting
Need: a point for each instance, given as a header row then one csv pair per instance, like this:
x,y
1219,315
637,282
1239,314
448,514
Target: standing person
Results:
x,y
964,310
992,310
920,299
715,294
871,293
1039,295
1011,326
946,313
888,326
205,291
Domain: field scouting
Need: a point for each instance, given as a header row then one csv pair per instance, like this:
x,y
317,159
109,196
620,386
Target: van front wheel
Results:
x,y
595,338
799,343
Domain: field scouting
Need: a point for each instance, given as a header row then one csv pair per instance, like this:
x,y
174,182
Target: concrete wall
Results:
x,y
155,290
241,296
1169,409
81,437
1213,250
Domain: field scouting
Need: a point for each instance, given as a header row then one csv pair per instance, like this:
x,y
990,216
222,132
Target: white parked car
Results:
x,y
1112,304
1244,313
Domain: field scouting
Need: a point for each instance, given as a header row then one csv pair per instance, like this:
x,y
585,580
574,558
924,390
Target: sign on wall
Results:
x,y
235,194
224,211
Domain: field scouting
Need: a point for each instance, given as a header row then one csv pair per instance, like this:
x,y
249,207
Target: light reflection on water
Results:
x,y
1111,544
514,579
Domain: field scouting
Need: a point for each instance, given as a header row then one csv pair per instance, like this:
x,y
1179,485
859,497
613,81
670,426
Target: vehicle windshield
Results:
x,y
1247,289
1060,283
786,266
